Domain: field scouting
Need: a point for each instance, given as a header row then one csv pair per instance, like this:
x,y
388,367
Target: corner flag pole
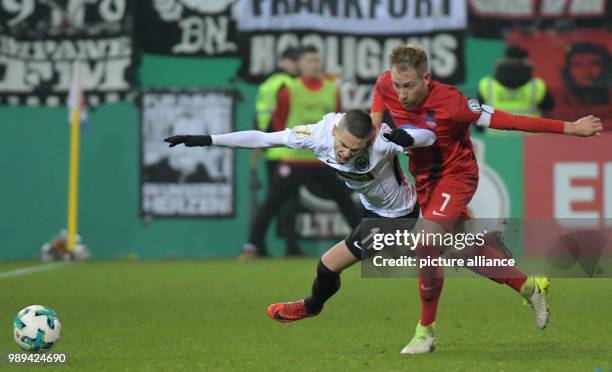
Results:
x,y
74,101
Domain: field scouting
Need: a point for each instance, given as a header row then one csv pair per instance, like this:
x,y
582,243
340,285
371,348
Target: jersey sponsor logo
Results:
x,y
361,177
301,131
474,105
362,163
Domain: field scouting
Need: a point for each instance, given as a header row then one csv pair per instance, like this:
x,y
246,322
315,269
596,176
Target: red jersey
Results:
x,y
447,112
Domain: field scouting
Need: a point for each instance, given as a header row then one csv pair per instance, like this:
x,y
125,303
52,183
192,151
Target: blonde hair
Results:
x,y
404,57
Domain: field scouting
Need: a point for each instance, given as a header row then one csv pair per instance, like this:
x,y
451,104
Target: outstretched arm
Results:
x,y
584,127
248,139
409,138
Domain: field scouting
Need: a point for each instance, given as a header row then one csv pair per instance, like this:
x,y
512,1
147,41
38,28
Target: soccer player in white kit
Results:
x,y
368,162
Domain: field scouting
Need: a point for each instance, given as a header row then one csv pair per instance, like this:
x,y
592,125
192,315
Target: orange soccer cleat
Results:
x,y
286,312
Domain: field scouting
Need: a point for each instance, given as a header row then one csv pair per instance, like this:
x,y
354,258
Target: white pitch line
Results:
x,y
30,269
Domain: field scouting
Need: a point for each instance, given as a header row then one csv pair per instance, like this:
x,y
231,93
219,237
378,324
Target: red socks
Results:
x,y
431,280
430,290
508,275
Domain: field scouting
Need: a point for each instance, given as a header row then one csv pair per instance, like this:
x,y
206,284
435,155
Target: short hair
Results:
x,y
291,53
358,123
514,51
308,49
404,57
588,48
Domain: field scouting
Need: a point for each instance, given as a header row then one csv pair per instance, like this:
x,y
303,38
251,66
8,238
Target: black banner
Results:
x,y
39,40
186,181
355,60
354,38
187,28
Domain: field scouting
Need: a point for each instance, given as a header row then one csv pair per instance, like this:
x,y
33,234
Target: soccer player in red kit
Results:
x,y
446,173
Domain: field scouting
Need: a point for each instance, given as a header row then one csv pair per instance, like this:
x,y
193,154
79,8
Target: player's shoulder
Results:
x,y
384,78
445,98
442,92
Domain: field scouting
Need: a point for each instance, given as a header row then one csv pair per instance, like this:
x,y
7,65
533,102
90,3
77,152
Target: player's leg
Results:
x,y
534,289
440,215
448,204
325,285
283,186
431,281
327,281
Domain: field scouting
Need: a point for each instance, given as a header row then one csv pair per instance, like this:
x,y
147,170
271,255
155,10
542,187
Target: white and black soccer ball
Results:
x,y
37,328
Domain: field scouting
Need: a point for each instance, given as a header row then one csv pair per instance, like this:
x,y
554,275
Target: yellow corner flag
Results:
x,y
77,110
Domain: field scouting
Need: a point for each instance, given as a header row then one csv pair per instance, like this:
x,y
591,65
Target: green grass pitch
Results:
x,y
211,315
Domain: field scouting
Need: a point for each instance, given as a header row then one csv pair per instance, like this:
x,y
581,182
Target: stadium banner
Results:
x,y
318,216
187,28
354,38
493,18
186,181
39,41
577,69
568,184
572,190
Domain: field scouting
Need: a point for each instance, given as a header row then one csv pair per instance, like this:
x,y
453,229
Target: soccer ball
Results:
x,y
37,328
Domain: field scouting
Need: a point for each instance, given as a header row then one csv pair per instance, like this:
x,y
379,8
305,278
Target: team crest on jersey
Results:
x,y
474,105
362,163
301,131
430,123
430,120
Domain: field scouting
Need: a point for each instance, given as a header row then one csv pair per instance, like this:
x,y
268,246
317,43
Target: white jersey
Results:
x,y
375,174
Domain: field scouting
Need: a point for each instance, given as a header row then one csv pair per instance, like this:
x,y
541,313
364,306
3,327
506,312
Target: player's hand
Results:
x,y
399,137
189,141
584,127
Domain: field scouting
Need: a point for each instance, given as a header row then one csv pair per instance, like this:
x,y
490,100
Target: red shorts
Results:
x,y
447,198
